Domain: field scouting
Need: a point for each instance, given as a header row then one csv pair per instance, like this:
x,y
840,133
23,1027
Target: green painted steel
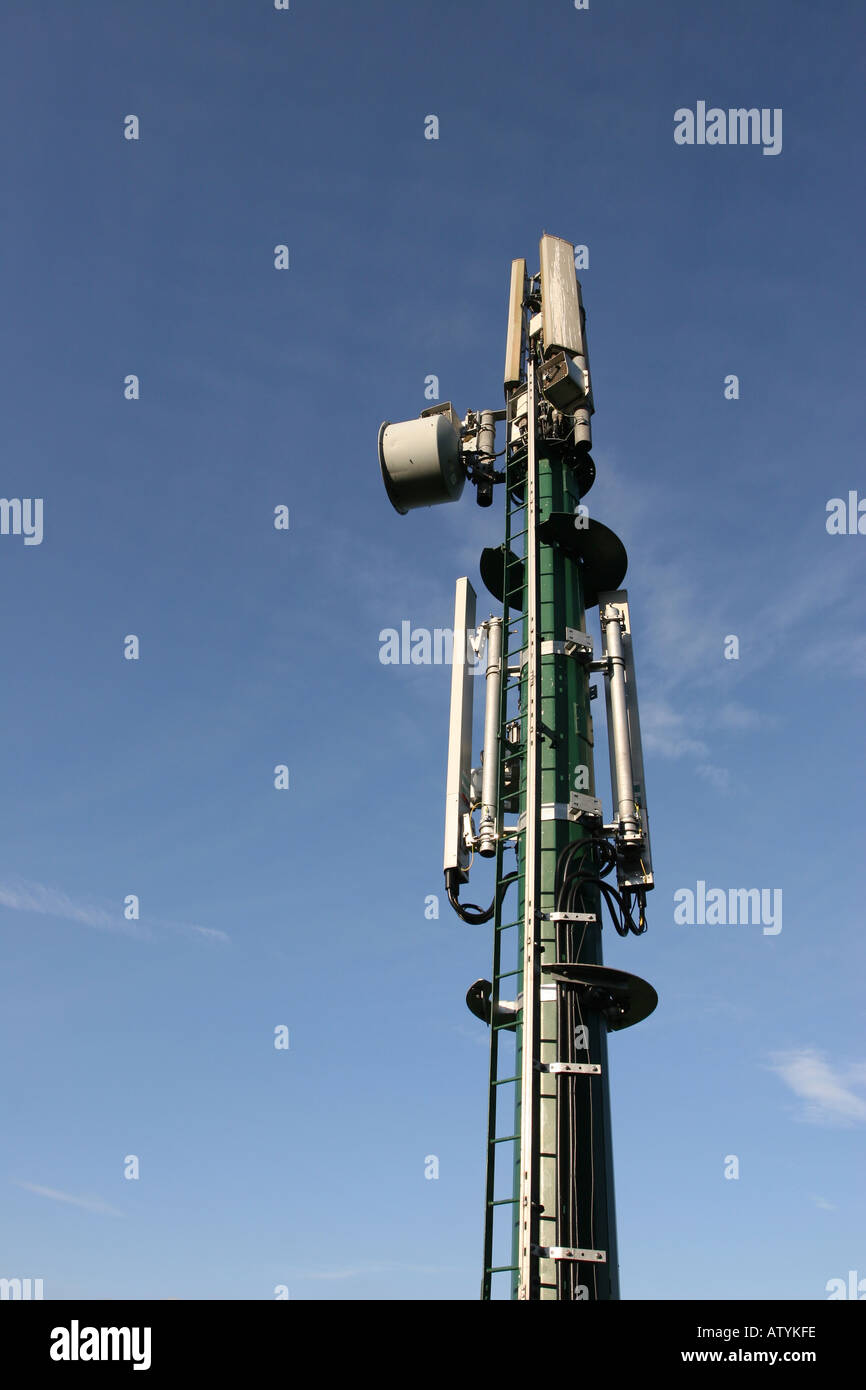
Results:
x,y
574,1151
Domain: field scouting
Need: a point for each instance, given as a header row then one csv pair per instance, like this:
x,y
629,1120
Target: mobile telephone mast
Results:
x,y
549,1218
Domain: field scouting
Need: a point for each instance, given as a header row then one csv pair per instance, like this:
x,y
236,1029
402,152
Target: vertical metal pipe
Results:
x,y
626,809
527,1195
489,826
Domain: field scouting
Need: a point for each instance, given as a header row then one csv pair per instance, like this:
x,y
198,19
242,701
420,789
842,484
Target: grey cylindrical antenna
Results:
x,y
582,430
487,434
627,816
490,774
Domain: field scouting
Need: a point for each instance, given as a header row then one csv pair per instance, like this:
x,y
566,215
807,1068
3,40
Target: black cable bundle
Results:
x,y
471,912
597,859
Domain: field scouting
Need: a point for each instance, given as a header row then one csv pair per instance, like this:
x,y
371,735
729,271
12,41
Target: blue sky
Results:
x,y
259,387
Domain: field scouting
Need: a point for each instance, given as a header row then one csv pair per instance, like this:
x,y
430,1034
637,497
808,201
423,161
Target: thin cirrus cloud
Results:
x,y
682,613
22,896
87,1203
671,733
825,1092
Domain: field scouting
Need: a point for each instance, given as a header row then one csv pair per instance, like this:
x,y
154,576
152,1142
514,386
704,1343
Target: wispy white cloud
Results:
x,y
23,896
87,1203
665,730
825,1091
670,732
212,933
719,777
36,897
683,616
823,1204
737,716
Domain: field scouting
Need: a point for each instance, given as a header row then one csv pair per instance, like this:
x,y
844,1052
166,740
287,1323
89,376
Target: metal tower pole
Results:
x,y
531,1119
555,1183
566,1201
564,1231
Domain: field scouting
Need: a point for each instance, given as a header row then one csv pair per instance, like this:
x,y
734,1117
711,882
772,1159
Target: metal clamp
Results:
x,y
550,810
571,1068
584,807
569,917
577,643
567,1252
